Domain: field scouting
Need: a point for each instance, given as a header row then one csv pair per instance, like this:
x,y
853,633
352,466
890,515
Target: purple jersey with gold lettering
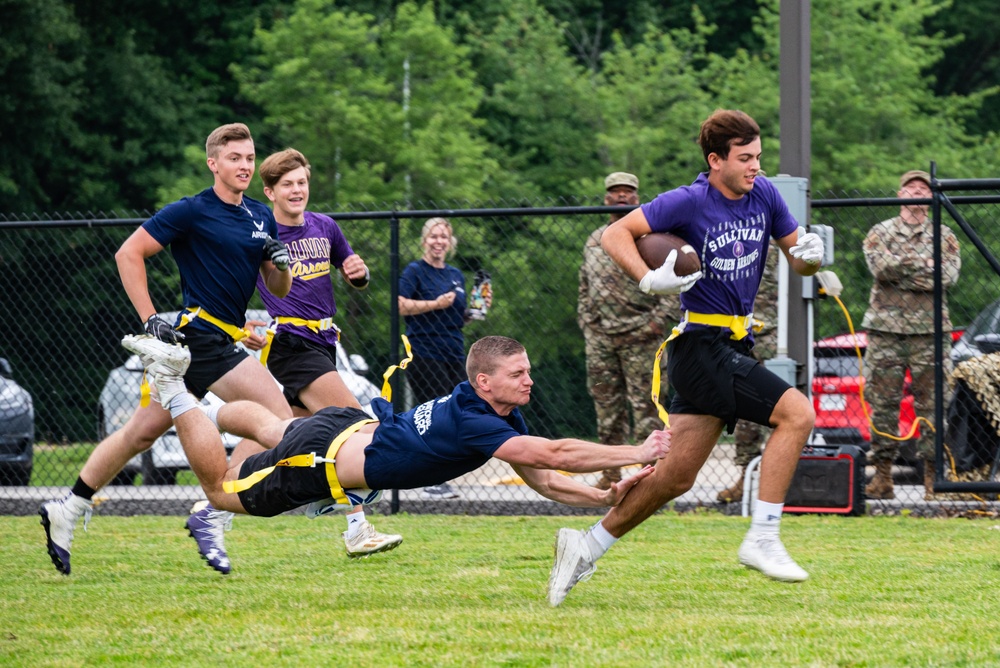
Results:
x,y
730,236
314,248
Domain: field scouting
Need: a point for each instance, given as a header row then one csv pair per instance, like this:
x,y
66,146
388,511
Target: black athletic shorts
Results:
x,y
288,487
295,362
715,375
213,355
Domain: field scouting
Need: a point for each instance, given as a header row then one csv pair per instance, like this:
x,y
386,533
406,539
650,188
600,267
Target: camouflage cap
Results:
x,y
621,179
914,174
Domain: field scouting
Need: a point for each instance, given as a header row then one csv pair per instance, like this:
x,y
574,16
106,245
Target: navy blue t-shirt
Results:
x,y
437,441
218,248
436,334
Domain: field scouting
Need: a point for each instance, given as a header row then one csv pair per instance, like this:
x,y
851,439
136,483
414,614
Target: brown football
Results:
x,y
655,247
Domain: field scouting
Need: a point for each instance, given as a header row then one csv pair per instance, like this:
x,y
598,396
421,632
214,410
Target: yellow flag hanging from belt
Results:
x,y
386,386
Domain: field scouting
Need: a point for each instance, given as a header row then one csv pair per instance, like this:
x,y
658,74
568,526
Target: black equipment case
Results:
x,y
828,479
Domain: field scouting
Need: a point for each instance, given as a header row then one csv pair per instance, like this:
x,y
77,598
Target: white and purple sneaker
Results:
x,y
59,518
207,525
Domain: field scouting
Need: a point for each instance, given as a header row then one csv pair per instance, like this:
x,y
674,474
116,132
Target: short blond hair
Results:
x,y
224,134
434,222
278,164
485,355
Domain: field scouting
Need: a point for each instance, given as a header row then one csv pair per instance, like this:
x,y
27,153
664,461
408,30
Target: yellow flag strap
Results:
x,y
386,386
655,393
309,460
740,325
144,391
237,334
315,325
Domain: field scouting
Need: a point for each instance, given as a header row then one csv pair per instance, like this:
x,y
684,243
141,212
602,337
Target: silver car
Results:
x,y
160,464
17,429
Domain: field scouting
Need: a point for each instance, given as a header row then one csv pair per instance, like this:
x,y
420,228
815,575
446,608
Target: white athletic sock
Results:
x,y
599,540
211,411
766,517
182,403
355,521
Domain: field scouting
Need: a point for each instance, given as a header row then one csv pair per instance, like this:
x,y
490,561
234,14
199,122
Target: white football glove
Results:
x,y
664,281
809,249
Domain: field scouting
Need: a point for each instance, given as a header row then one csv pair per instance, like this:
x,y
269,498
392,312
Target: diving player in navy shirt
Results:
x,y
436,441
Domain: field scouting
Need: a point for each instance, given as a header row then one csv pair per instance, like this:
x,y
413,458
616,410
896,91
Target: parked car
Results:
x,y
840,417
17,429
160,464
981,337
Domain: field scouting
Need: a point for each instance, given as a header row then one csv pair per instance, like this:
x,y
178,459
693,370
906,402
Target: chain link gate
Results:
x,y
65,313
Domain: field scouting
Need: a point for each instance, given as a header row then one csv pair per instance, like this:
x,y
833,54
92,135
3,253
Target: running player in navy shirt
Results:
x,y
221,240
728,215
436,441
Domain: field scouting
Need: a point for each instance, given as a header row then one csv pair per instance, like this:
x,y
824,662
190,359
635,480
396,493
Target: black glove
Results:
x,y
161,329
277,252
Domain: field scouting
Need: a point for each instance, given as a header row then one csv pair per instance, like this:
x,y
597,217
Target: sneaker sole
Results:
x,y
51,546
387,547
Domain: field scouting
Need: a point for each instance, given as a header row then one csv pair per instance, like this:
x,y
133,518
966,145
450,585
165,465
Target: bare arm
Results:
x,y
576,456
618,242
131,261
564,489
409,306
278,282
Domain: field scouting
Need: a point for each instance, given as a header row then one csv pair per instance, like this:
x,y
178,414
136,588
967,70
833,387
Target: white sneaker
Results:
x,y
159,357
368,541
573,563
768,555
328,505
59,518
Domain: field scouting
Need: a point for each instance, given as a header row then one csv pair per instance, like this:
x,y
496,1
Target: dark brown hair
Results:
x,y
723,129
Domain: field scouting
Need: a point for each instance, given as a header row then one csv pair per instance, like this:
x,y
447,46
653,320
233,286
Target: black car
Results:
x,y
17,429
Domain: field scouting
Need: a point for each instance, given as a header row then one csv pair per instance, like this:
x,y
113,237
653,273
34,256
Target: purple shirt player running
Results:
x,y
313,248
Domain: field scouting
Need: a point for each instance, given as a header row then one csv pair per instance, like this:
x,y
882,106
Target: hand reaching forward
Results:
x,y
619,489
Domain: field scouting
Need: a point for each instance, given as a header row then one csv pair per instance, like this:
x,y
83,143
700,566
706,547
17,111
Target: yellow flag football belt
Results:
x,y
309,460
738,324
237,334
316,326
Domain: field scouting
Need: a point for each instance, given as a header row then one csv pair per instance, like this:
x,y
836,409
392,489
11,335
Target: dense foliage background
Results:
x,y
106,104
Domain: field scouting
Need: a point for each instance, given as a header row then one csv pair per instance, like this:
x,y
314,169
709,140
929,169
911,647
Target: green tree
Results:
x,y
539,104
652,104
335,84
40,96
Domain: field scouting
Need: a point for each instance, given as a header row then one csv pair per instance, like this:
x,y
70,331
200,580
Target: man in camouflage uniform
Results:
x,y
749,435
622,328
900,324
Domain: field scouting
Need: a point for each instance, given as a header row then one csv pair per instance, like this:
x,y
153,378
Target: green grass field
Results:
x,y
470,591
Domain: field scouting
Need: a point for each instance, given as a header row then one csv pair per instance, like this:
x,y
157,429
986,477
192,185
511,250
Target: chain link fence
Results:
x,y
68,382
